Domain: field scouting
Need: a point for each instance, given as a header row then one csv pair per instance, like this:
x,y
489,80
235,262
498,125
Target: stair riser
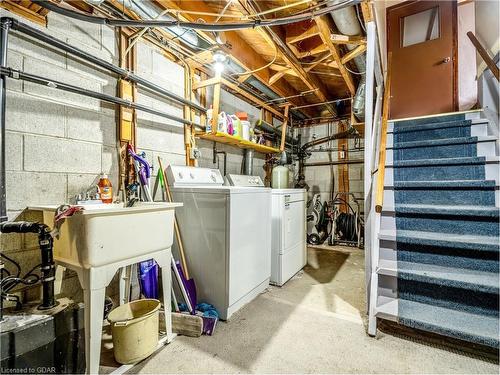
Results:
x,y
425,135
440,172
440,223
460,299
478,149
443,196
436,119
486,148
411,135
486,261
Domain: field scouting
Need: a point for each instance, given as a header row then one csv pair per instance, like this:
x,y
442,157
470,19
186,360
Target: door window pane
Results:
x,y
421,27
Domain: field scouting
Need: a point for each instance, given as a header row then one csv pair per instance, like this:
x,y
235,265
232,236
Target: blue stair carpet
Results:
x,y
447,231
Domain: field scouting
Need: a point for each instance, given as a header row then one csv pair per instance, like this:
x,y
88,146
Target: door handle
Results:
x,y
446,60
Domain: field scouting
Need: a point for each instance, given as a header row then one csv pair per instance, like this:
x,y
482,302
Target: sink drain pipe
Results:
x,y
47,266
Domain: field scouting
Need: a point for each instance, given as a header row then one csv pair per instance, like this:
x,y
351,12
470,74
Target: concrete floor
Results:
x,y
314,324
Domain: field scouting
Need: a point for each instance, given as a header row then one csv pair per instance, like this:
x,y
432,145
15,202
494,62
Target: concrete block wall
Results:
x,y
324,179
58,143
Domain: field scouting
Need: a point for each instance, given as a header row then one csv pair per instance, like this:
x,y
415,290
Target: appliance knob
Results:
x,y
192,176
213,178
181,176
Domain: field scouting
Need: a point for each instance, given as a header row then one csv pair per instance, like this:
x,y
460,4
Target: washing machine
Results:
x,y
288,228
227,241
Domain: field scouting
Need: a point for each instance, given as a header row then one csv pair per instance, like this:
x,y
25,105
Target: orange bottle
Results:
x,y
105,189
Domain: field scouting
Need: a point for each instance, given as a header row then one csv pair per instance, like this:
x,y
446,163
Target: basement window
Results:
x,y
420,27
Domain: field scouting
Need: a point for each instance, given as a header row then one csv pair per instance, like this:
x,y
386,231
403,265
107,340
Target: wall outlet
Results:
x,y
195,154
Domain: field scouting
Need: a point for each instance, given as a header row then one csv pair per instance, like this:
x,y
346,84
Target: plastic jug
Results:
x,y
236,126
245,130
222,123
279,178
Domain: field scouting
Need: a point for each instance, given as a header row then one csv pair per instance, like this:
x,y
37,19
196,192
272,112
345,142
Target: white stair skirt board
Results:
x,y
492,170
387,308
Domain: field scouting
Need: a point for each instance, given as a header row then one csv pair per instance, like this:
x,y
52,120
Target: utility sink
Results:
x,y
106,233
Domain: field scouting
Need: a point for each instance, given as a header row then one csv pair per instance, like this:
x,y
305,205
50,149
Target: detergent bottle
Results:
x,y
105,189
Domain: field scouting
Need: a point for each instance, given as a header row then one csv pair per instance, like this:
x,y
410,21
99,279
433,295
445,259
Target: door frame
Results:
x,y
454,25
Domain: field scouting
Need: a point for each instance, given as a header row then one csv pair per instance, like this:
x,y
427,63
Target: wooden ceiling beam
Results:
x,y
352,54
274,37
25,12
282,70
239,49
295,32
324,29
346,39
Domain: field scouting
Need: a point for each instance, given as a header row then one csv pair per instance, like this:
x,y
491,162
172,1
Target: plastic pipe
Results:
x,y
124,73
17,74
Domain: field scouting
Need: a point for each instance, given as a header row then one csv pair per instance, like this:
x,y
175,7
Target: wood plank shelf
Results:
x,y
234,141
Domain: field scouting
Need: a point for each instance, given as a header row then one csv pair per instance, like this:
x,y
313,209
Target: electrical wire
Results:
x,y
18,273
193,25
223,15
359,19
353,72
258,69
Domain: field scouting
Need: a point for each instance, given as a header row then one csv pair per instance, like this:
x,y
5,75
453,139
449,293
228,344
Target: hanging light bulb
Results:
x,y
218,67
219,58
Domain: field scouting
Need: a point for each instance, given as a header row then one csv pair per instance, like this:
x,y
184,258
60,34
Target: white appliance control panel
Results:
x,y
189,176
244,181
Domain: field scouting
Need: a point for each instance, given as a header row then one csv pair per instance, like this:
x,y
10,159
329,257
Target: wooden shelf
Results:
x,y
234,141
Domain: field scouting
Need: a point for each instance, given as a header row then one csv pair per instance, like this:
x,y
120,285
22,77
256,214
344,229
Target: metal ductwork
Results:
x,y
248,162
347,23
147,10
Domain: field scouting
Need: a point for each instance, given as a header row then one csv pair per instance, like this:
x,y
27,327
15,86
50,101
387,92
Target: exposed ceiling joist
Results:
x,y
25,10
346,39
352,54
239,49
295,32
274,38
283,70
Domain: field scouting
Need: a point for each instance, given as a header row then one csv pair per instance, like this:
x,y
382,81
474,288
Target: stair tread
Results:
x,y
469,326
463,210
445,161
445,184
398,129
464,241
457,277
443,142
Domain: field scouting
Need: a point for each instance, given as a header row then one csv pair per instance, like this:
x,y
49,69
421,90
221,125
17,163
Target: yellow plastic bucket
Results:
x,y
134,327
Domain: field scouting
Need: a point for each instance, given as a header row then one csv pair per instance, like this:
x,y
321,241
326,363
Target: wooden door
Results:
x,y
422,36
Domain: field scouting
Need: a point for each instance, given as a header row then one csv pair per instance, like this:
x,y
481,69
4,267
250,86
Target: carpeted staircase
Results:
x,y
439,237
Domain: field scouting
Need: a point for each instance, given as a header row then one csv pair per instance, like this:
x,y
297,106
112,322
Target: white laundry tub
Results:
x,y
107,233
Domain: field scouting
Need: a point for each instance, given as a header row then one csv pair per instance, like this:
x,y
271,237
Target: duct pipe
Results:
x,y
147,10
326,163
248,162
271,129
5,25
319,141
347,23
54,42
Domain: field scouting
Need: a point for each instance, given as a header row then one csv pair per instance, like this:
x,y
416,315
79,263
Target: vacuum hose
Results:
x,y
47,267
